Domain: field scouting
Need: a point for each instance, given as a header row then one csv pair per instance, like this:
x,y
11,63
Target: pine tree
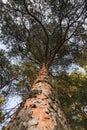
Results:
x,y
45,33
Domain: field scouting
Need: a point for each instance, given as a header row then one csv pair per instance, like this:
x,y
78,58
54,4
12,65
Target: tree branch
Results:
x,y
44,29
7,83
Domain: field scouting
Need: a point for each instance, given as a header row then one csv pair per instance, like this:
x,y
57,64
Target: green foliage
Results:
x,y
28,73
1,113
14,70
1,100
4,68
83,58
39,36
72,92
8,71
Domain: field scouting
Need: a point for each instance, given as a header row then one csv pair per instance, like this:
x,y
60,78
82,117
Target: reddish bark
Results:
x,y
46,113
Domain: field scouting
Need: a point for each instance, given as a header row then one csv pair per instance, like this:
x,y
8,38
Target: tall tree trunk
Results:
x,y
42,111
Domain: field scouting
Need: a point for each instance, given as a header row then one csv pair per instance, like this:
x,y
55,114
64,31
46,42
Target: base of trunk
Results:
x,y
41,111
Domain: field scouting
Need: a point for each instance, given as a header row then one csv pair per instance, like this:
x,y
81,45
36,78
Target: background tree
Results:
x,y
8,71
71,91
4,68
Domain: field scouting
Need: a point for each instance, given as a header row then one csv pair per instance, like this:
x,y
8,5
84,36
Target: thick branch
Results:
x,y
56,50
44,29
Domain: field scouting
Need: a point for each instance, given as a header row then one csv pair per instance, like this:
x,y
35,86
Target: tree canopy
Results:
x,y
44,31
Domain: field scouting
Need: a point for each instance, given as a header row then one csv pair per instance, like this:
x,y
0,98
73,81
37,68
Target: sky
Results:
x,y
11,101
2,46
75,68
4,1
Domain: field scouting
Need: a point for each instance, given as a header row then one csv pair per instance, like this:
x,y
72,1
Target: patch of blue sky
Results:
x,y
2,46
74,68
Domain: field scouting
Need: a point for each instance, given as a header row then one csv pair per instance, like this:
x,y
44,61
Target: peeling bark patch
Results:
x,y
21,122
34,93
